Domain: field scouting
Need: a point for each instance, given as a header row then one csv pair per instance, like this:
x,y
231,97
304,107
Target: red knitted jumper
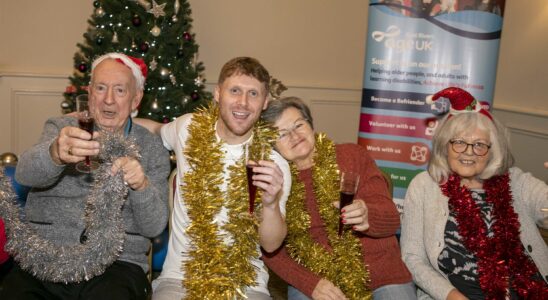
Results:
x,y
381,252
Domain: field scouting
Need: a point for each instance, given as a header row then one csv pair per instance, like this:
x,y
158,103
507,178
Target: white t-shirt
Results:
x,y
174,136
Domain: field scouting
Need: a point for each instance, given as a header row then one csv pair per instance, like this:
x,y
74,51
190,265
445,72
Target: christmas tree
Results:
x,y
160,33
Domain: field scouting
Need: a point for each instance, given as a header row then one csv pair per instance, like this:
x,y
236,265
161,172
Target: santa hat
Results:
x,y
461,101
136,65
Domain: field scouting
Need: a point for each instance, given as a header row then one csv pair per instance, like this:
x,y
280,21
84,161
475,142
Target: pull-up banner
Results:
x,y
414,49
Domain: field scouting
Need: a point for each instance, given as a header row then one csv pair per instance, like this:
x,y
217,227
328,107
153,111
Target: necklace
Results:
x,y
344,264
502,264
217,270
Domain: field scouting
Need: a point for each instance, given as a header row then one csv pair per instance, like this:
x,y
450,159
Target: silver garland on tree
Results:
x,y
104,224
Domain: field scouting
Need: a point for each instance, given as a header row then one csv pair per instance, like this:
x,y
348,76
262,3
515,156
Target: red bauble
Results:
x,y
144,47
187,36
71,89
136,21
82,67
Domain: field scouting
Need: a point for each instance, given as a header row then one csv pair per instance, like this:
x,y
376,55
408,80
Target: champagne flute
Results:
x,y
86,122
252,160
348,187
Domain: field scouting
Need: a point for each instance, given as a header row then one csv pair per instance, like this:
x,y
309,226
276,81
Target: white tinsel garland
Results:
x,y
104,224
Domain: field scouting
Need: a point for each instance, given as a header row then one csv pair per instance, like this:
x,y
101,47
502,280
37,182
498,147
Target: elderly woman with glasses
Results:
x,y
469,225
365,260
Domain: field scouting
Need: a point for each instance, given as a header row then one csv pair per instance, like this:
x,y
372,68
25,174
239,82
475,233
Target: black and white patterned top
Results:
x,y
455,260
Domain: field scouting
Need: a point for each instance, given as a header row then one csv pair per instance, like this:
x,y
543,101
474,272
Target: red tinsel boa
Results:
x,y
501,261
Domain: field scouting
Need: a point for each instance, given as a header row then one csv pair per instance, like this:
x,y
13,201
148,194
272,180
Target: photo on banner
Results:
x,y
416,48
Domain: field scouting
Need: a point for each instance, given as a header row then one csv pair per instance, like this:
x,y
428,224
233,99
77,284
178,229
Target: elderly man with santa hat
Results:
x,y
104,260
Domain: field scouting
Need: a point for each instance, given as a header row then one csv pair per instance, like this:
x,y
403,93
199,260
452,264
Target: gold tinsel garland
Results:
x,y
216,270
344,265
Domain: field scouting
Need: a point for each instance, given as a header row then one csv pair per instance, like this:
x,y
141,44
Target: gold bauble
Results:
x,y
8,159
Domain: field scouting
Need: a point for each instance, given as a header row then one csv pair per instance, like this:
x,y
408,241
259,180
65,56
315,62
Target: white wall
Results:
x,y
316,47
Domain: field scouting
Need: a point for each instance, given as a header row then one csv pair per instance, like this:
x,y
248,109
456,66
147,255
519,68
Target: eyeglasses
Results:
x,y
298,127
460,146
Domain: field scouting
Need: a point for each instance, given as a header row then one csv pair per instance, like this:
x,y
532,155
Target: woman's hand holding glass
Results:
x,y
355,214
349,183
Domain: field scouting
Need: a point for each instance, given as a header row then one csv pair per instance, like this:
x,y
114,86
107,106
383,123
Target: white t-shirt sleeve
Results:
x,y
170,131
169,134
286,189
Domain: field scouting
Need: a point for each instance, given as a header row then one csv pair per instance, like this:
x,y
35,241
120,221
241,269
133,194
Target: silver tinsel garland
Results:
x,y
104,225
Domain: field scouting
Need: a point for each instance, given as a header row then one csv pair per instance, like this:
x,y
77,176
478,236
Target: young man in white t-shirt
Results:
x,y
241,95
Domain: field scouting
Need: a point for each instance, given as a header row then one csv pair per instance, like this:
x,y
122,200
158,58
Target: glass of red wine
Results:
x,y
87,123
348,187
251,161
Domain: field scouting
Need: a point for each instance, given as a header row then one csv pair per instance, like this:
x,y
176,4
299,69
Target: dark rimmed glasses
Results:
x,y
479,148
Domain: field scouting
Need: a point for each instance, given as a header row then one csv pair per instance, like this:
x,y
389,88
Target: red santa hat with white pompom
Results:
x,y
461,101
137,66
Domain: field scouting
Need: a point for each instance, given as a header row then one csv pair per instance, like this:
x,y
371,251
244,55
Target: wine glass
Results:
x,y
348,187
252,160
86,122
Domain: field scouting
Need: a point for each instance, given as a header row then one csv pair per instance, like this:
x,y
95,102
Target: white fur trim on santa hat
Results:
x,y
429,99
477,108
139,78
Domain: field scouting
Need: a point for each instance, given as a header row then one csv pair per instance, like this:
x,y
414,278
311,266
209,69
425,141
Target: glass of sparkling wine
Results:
x,y
251,161
86,122
348,187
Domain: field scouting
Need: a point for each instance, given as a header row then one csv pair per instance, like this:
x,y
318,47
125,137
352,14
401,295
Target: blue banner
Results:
x,y
415,49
